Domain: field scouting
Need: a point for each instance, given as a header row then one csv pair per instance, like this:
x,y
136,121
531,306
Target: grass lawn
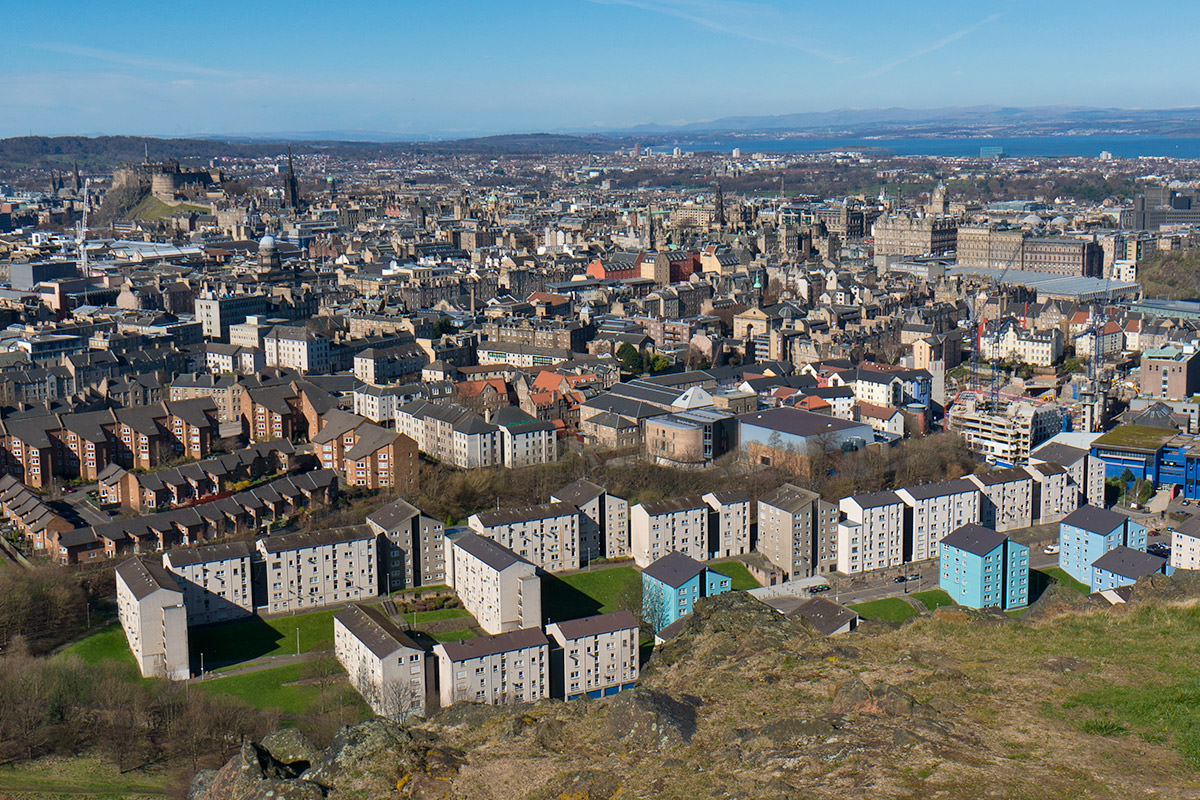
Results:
x,y
1058,575
934,598
454,636
436,615
742,579
582,594
104,644
265,690
80,777
891,609
254,637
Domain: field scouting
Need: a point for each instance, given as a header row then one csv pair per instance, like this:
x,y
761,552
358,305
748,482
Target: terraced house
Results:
x,y
37,448
366,454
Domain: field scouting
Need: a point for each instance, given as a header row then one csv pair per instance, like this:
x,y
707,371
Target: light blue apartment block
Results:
x,y
1088,533
983,569
1124,566
672,585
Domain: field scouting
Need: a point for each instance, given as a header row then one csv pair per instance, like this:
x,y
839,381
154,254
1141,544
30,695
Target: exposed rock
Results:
x,y
853,696
290,746
586,785
651,720
374,753
253,774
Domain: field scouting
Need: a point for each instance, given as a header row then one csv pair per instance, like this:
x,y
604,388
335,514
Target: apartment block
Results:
x,y
1055,493
1170,373
366,454
512,667
1124,566
672,585
500,589
298,348
797,531
1006,433
150,608
391,671
215,579
871,532
981,568
307,570
1084,470
656,529
936,510
1185,546
728,523
1007,499
1088,533
524,441
412,547
603,519
593,656
546,535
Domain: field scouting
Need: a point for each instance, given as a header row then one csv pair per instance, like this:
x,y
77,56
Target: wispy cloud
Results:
x,y
938,45
131,60
752,21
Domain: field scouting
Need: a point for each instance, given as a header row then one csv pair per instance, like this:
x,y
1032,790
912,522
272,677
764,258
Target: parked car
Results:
x,y
1050,549
916,576
820,587
899,579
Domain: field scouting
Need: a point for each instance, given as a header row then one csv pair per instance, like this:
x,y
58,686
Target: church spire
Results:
x,y
291,190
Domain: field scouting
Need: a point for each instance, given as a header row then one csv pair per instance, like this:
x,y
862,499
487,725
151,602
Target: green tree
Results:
x,y
658,363
631,358
443,326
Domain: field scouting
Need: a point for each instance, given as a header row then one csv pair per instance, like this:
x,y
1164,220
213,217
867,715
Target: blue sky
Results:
x,y
462,68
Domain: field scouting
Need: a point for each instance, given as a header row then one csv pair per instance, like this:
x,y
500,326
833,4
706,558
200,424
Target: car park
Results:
x,y
899,579
1050,549
916,576
820,587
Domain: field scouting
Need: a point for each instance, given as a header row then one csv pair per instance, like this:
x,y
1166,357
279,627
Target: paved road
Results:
x,y
267,662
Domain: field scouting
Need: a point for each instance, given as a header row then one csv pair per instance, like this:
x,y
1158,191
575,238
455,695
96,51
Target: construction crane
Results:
x,y
81,234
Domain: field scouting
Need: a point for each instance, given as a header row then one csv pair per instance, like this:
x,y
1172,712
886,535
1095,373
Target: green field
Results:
x,y
264,689
83,776
105,644
582,594
436,615
742,579
248,639
454,636
934,598
1059,575
891,609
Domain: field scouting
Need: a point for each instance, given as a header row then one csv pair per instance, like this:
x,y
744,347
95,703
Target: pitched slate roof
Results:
x,y
674,569
974,539
482,646
1129,563
1095,520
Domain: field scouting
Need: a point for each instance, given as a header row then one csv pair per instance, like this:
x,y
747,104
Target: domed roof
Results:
x,y
266,243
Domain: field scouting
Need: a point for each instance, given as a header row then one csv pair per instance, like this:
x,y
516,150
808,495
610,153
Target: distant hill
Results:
x,y
105,152
992,119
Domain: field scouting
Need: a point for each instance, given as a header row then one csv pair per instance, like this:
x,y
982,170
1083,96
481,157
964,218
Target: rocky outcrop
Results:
x,y
650,720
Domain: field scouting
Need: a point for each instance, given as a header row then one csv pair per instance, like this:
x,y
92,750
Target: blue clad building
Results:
x,y
981,568
1124,566
673,583
1088,533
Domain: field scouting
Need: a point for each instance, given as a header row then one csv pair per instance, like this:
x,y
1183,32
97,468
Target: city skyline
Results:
x,y
411,71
